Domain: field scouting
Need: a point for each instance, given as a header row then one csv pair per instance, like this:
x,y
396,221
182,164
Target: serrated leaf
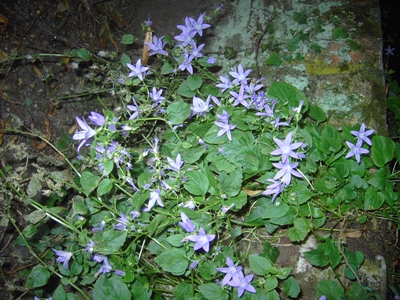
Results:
x,y
291,288
178,112
213,291
300,230
259,264
382,150
173,261
110,289
331,289
197,183
89,182
109,241
38,277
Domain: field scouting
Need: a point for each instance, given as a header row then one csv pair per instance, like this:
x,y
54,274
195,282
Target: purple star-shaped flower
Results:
x,y
225,128
137,70
186,224
239,98
198,26
199,106
186,37
85,134
106,267
240,75
274,189
202,240
157,46
230,271
356,150
286,171
122,222
286,148
242,283
177,164
156,95
362,135
154,197
389,50
133,108
63,257
97,119
225,84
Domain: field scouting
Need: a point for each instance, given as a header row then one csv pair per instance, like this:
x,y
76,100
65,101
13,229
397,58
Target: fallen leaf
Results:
x,y
356,234
252,193
3,56
3,23
47,135
37,71
72,129
147,39
65,60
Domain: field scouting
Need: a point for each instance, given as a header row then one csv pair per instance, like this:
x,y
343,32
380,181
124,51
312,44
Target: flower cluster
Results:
x,y
362,137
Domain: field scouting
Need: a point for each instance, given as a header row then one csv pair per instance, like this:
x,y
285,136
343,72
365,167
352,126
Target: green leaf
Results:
x,y
382,150
339,33
332,252
125,59
141,291
213,291
291,288
197,183
331,135
317,256
331,289
60,293
316,113
259,264
166,68
273,59
300,18
189,87
104,187
299,194
173,261
183,291
109,241
287,93
275,210
178,112
373,199
81,53
108,166
175,240
28,101
89,182
271,282
34,187
357,291
207,270
38,277
128,39
110,289
230,184
300,230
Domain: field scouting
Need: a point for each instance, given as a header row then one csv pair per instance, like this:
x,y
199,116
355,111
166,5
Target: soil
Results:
x,y
37,95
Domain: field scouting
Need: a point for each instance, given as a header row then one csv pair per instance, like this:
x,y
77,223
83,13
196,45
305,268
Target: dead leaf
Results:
x,y
3,23
105,36
37,71
252,193
65,60
72,129
47,135
3,56
1,131
147,39
356,234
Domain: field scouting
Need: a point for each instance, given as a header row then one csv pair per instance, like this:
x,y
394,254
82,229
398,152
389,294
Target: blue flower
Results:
x,y
286,148
356,150
177,164
225,126
154,197
242,283
122,222
230,271
198,26
85,134
148,22
199,106
102,224
186,64
225,84
156,95
274,189
106,267
240,75
135,109
157,46
186,224
137,70
97,119
362,135
89,247
186,37
389,50
239,98
286,171
202,240
63,257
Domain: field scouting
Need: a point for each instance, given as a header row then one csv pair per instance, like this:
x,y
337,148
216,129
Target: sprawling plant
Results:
x,y
174,189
